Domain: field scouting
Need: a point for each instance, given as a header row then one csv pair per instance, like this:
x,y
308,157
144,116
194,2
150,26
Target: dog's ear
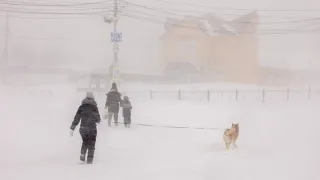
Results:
x,y
235,123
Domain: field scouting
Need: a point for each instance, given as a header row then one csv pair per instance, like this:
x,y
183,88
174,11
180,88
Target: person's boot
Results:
x,y
82,157
89,161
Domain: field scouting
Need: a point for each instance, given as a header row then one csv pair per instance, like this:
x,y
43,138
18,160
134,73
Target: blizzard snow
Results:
x,y
277,140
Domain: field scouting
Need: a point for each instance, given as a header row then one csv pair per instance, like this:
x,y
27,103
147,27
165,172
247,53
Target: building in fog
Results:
x,y
209,45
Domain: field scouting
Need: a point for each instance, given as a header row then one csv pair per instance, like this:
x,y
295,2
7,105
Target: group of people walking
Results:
x,y
112,105
89,116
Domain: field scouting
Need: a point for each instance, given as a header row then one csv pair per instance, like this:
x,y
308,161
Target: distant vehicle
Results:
x,y
182,71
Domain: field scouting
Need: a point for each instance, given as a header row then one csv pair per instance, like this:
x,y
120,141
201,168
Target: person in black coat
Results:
x,y
126,111
113,103
89,116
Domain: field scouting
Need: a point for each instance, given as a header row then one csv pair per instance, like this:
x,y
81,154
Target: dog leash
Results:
x,y
172,127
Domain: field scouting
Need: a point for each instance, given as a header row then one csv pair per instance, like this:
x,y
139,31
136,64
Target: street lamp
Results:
x,y
109,20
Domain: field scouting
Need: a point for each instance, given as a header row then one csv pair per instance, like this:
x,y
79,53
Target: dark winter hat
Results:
x,y
114,86
89,95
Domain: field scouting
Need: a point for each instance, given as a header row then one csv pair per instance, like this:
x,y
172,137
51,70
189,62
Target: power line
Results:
x,y
229,14
23,3
239,24
33,3
60,16
129,4
137,14
82,5
240,9
53,13
84,10
37,8
153,9
231,22
54,8
314,21
234,24
57,39
208,30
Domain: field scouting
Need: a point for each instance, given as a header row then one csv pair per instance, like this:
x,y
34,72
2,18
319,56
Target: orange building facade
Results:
x,y
227,50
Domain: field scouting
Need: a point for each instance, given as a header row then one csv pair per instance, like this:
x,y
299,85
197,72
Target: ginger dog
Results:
x,y
230,136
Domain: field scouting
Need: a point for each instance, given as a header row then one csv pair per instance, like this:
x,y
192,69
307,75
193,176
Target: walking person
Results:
x,y
89,116
126,111
113,104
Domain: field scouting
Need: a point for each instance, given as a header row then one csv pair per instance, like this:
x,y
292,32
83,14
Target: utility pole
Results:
x,y
116,38
115,23
4,62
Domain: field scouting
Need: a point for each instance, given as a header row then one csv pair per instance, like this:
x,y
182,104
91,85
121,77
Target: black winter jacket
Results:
x,y
113,98
89,115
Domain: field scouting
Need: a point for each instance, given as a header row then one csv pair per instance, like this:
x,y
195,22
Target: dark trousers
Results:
x,y
115,117
127,121
113,111
88,143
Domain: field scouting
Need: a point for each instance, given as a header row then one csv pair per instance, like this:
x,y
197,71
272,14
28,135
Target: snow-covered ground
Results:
x,y
277,140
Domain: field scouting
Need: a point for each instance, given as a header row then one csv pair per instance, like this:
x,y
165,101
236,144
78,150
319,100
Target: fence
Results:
x,y
233,95
263,95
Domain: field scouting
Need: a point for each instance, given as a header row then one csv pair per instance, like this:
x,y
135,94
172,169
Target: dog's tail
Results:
x,y
225,132
230,131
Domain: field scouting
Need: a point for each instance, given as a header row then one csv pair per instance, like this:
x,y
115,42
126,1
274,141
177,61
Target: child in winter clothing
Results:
x,y
126,111
89,116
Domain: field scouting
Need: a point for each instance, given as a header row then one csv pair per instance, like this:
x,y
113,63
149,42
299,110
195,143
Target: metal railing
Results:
x,y
226,95
263,95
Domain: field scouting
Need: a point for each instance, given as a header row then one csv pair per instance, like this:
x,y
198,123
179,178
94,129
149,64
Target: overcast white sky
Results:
x,y
83,41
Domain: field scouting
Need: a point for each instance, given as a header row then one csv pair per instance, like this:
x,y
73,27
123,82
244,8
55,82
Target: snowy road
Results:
x,y
277,141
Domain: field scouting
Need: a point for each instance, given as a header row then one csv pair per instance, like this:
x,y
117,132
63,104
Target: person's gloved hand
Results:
x,y
71,132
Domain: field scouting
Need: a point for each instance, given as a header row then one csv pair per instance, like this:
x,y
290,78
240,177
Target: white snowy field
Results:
x,y
277,140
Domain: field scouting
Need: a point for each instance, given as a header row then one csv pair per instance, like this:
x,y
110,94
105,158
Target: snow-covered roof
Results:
x,y
214,25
